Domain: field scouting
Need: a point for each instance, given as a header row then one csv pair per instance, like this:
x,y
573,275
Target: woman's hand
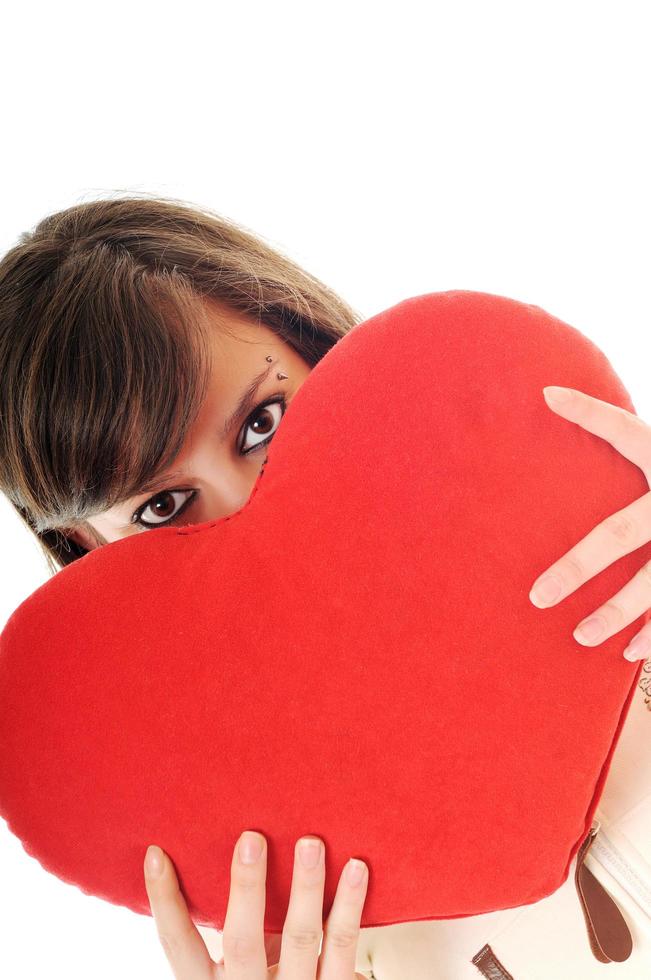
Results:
x,y
617,535
244,945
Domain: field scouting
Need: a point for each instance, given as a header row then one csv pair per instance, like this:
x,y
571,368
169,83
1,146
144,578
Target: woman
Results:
x,y
136,336
147,352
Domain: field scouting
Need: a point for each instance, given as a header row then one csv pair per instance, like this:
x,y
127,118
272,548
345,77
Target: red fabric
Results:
x,y
353,654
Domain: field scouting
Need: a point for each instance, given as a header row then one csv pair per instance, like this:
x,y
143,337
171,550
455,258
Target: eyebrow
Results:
x,y
243,406
246,401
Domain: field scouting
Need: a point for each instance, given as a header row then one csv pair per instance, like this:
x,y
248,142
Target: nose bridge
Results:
x,y
226,484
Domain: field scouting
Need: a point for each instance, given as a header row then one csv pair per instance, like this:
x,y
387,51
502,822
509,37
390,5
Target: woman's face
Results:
x,y
214,473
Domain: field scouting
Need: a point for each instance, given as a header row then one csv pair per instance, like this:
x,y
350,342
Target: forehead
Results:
x,y
236,341
226,320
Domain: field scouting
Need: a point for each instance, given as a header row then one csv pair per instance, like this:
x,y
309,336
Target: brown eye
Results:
x,y
163,506
264,423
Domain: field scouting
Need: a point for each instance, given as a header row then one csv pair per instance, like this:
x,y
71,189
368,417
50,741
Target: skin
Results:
x,y
245,949
224,477
619,534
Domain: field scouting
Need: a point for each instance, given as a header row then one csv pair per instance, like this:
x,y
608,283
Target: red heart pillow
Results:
x,y
352,654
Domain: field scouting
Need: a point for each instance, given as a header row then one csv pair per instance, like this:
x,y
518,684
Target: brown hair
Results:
x,y
104,358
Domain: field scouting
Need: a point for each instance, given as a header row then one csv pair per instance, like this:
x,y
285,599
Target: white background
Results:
x,y
391,150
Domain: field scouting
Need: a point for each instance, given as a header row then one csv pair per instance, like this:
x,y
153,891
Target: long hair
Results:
x,y
104,348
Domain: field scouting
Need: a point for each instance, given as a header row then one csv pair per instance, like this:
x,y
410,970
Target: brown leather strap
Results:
x,y
609,935
489,966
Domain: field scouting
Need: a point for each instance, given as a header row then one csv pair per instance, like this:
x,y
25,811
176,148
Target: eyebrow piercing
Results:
x,y
280,375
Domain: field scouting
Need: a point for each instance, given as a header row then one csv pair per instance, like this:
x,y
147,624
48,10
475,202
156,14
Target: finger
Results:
x,y
341,931
243,936
625,431
624,607
618,535
299,952
182,942
640,646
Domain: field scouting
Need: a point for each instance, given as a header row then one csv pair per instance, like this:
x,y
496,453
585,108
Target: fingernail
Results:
x,y
354,871
545,590
154,861
250,847
637,649
589,630
309,851
556,394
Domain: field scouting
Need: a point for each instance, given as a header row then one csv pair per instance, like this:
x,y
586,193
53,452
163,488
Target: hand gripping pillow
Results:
x,y
352,654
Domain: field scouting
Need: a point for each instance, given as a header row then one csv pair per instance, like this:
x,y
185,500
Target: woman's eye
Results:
x,y
163,506
264,422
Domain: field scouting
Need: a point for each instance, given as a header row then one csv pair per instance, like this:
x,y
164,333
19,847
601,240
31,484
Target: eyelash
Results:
x,y
277,399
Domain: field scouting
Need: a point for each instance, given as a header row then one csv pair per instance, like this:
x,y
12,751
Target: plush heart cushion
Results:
x,y
353,654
